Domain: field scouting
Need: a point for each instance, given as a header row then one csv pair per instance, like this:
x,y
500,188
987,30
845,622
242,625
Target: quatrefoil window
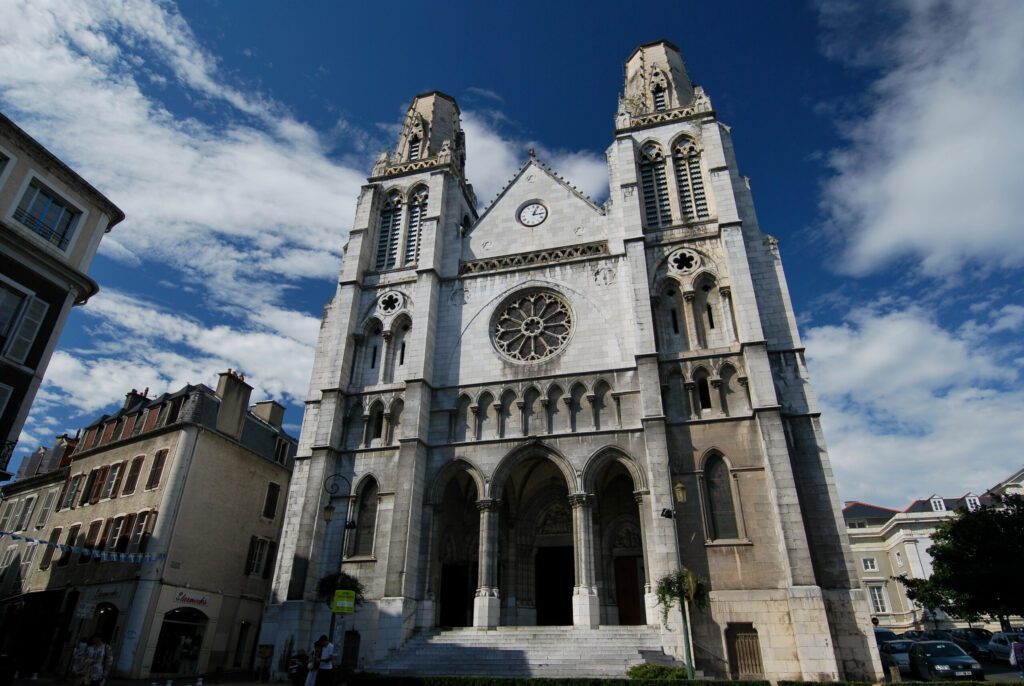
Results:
x,y
389,303
532,326
684,261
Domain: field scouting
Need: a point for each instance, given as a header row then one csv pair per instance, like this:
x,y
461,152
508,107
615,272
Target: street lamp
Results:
x,y
332,487
666,513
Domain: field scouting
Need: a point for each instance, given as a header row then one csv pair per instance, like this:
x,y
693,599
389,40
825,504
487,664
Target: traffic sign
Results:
x,y
344,602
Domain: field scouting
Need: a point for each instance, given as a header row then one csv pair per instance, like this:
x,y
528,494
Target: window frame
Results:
x,y
131,482
275,489
23,519
25,327
7,560
156,469
869,564
47,559
74,229
711,526
938,504
879,602
49,505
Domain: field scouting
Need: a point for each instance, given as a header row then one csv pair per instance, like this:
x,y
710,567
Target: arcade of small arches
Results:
x,y
373,423
704,392
379,353
533,411
693,312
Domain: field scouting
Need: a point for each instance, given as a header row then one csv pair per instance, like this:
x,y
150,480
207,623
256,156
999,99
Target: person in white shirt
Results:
x,y
324,661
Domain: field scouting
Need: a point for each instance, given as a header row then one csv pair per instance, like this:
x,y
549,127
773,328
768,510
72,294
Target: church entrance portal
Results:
x,y
628,584
458,583
457,540
554,579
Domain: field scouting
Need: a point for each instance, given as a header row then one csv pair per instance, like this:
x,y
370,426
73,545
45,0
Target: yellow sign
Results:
x,y
344,602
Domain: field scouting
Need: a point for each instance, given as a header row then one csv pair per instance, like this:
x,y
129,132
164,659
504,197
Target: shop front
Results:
x,y
183,626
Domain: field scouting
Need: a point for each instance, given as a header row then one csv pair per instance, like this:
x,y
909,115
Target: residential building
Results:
x,y
888,543
525,416
159,534
51,223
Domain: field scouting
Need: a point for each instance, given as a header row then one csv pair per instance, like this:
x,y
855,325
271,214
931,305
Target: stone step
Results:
x,y
525,651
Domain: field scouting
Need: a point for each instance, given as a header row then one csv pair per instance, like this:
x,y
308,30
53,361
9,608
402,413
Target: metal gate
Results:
x,y
744,652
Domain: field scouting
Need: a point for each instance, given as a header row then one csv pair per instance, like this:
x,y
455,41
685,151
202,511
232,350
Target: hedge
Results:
x,y
377,679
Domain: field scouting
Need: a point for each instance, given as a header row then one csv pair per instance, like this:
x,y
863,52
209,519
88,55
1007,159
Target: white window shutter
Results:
x,y
22,340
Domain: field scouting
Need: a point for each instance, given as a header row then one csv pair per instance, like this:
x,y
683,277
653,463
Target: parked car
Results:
x,y
943,661
999,644
913,635
974,641
896,653
936,635
883,635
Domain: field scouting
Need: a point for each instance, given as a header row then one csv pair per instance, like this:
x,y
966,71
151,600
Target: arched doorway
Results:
x,y
536,572
621,566
105,622
457,541
179,643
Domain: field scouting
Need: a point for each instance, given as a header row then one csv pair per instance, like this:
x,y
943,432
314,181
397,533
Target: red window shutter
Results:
x,y
125,537
118,479
129,424
133,475
63,494
152,415
108,431
44,563
90,437
156,470
97,486
101,544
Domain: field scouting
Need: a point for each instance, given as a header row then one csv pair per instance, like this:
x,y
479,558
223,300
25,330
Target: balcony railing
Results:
x,y
49,233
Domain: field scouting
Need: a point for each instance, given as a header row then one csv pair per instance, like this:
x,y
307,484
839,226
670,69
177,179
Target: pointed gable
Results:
x,y
571,218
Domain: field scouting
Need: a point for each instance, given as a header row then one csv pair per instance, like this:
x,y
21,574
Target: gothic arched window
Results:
x,y
387,236
689,182
659,98
654,187
417,211
366,519
721,511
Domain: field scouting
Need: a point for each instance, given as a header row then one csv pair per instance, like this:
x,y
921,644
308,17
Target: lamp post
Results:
x,y
680,497
332,487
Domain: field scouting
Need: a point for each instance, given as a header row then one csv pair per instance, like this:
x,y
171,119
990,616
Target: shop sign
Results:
x,y
104,593
189,599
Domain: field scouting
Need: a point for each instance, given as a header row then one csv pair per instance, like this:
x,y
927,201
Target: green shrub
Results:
x,y
659,672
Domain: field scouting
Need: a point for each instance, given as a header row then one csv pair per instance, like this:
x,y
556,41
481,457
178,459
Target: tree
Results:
x,y
976,559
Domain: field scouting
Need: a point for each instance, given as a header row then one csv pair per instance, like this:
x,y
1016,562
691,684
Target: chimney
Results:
x,y
270,411
132,397
234,399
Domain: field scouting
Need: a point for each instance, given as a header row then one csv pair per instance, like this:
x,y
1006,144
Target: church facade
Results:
x,y
521,416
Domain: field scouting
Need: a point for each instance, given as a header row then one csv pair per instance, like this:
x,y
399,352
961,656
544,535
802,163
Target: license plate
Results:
x,y
963,673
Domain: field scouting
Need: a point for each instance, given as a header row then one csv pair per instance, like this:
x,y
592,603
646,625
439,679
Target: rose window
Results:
x,y
389,303
533,326
684,261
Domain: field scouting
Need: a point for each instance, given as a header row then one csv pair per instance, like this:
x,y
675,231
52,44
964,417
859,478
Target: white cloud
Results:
x,y
933,170
492,158
910,408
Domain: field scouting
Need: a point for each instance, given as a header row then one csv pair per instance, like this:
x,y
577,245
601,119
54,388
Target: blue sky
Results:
x,y
881,141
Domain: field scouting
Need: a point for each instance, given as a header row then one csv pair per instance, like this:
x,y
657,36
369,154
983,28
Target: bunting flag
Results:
x,y
101,555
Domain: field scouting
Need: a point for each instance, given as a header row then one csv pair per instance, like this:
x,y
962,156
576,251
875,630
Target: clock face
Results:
x,y
533,214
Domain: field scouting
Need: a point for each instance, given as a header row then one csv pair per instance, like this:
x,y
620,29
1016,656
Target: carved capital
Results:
x,y
520,404
488,505
715,382
689,385
579,500
689,296
743,381
387,336
475,409
726,291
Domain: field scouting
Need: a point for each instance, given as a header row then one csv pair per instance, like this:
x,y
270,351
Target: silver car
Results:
x,y
999,644
896,653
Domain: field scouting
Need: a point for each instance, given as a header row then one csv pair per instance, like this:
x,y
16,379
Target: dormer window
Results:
x,y
973,503
659,99
414,149
938,505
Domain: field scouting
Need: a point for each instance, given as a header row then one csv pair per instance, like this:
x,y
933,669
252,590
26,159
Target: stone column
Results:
x,y
694,401
499,421
730,318
586,606
521,406
475,409
385,357
487,603
690,316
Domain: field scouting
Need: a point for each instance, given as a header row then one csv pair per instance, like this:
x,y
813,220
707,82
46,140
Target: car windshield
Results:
x,y
942,650
898,646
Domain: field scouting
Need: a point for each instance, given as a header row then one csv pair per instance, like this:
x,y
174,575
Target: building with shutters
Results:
x,y
507,400
51,224
159,532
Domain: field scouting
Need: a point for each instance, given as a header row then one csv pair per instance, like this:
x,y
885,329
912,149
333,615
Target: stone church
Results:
x,y
519,416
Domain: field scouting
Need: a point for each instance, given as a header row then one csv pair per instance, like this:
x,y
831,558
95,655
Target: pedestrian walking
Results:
x,y
1016,655
96,663
324,661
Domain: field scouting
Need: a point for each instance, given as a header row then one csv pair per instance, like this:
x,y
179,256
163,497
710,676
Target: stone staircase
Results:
x,y
522,651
